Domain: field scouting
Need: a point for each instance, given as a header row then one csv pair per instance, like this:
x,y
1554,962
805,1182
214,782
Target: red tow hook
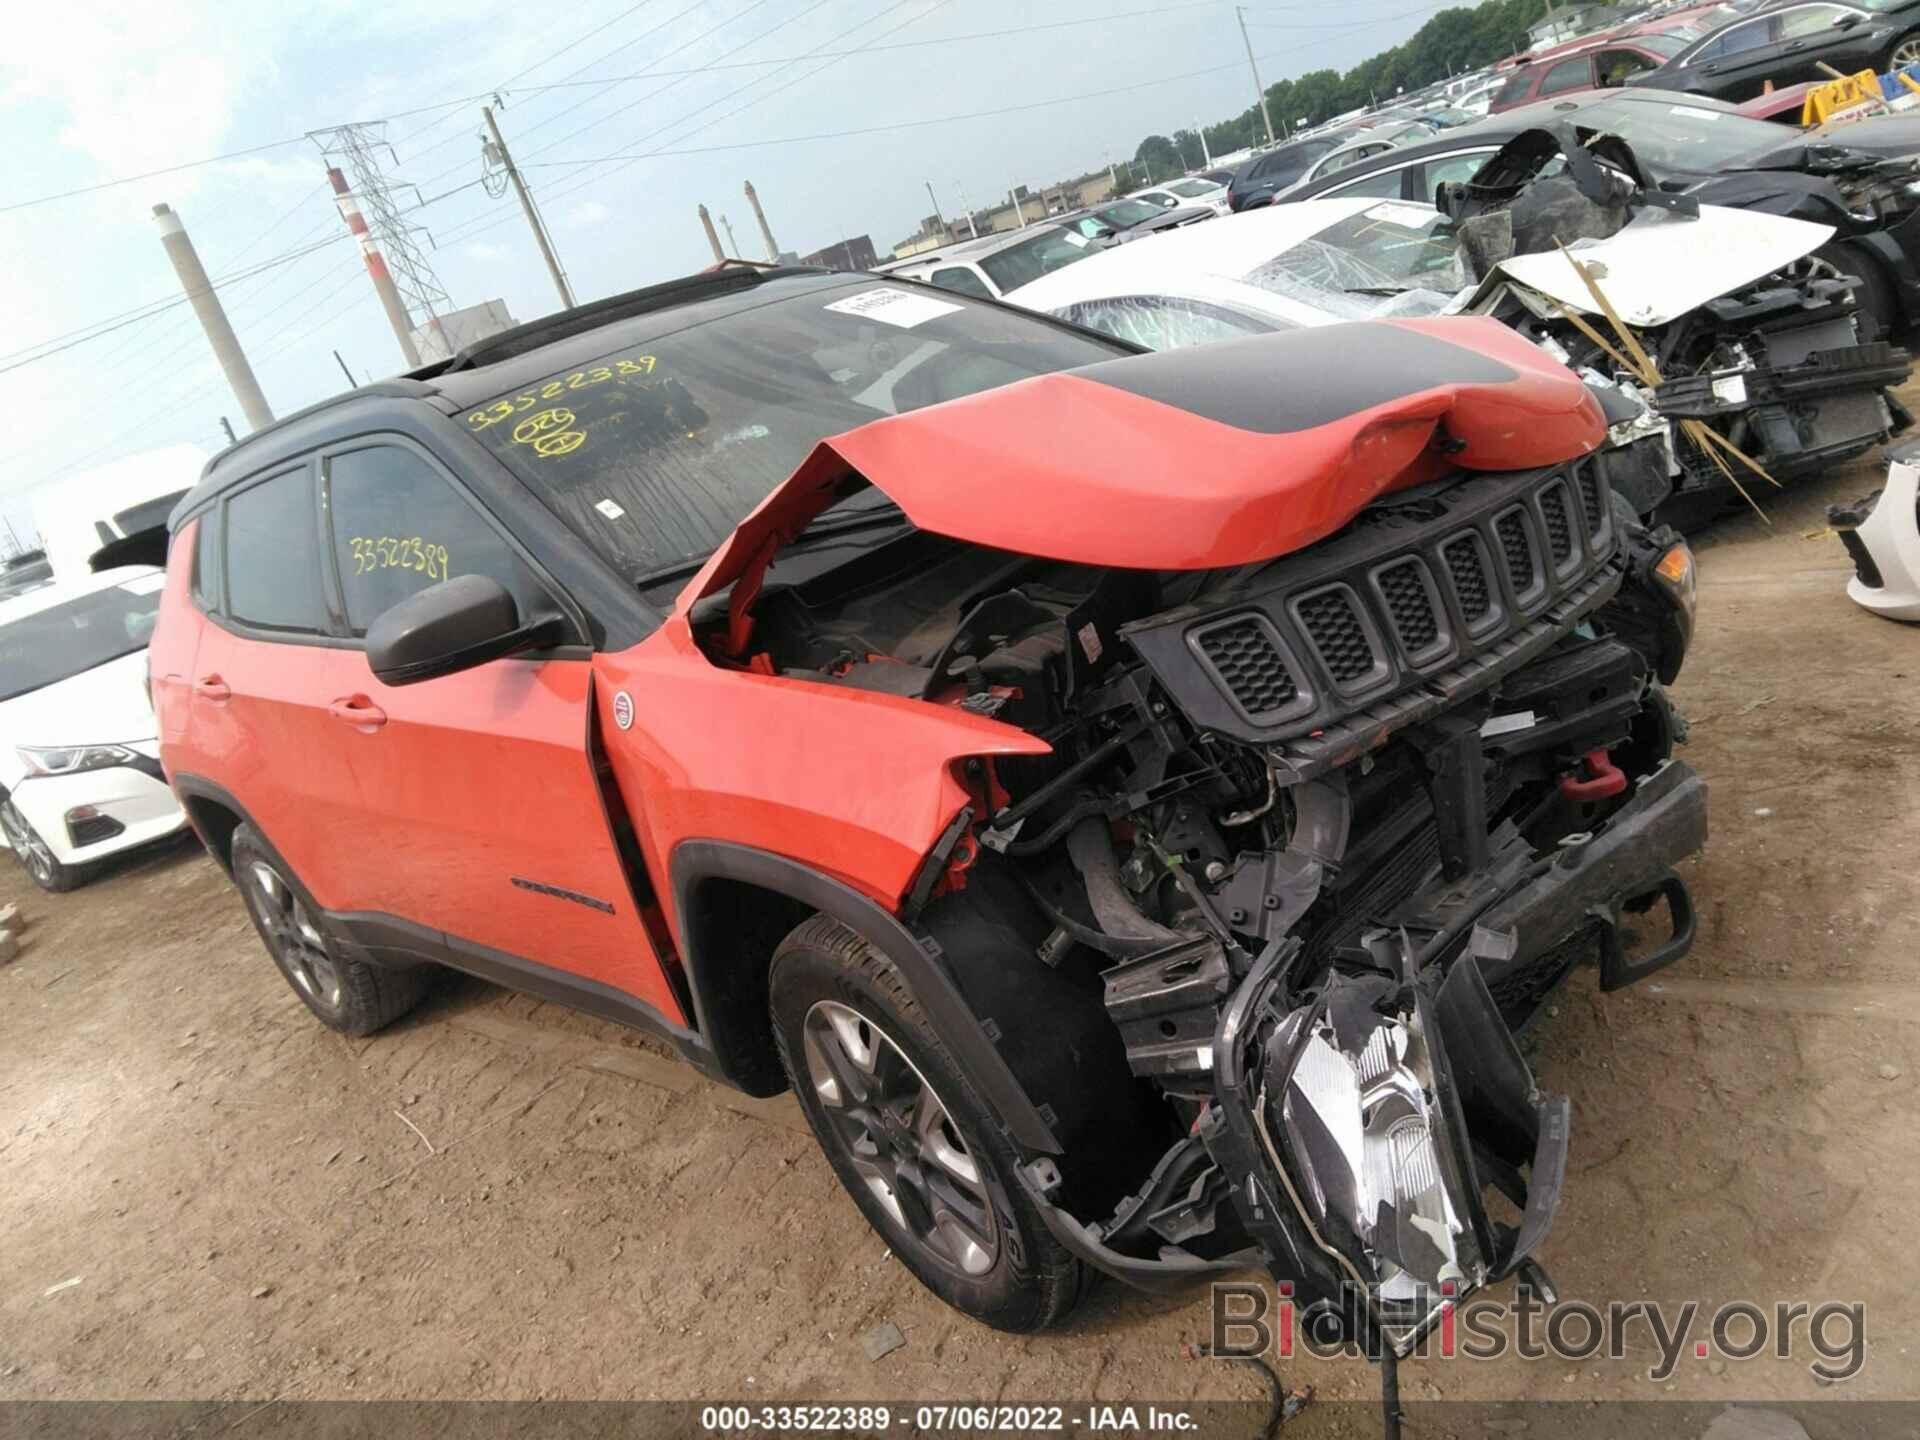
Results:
x,y
1608,779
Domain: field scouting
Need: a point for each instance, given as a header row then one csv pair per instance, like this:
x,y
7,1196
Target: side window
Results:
x,y
1807,20
1734,40
1618,67
399,526
1515,90
1452,168
1575,74
206,561
273,555
1383,186
961,280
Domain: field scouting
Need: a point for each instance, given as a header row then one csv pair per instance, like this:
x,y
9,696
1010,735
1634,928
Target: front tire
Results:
x,y
914,1145
43,867
347,995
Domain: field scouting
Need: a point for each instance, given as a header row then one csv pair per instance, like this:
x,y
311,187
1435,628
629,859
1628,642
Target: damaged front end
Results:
x,y
1723,321
1355,746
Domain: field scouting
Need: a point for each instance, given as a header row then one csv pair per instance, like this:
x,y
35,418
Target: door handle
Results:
x,y
212,687
358,710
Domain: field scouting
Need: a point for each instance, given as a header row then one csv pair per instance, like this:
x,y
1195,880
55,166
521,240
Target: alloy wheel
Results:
x,y
27,844
900,1139
297,945
1906,53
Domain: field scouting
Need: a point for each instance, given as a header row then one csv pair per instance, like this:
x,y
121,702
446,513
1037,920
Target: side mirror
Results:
x,y
449,627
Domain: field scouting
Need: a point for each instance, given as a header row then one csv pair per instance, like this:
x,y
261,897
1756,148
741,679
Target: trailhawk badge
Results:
x,y
623,709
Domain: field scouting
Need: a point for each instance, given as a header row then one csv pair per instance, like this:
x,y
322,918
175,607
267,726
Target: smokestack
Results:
x,y
766,231
213,316
713,235
376,266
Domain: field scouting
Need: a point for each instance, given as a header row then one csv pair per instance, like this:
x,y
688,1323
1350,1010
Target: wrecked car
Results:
x,y
1133,800
1747,337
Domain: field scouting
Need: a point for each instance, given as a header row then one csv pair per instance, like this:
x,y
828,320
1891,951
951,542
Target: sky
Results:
x,y
652,109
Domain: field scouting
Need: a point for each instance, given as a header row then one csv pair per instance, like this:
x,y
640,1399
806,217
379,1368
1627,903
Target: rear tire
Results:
x,y
347,995
36,857
917,1149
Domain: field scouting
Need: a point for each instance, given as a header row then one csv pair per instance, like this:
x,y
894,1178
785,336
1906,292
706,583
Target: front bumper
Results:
x,y
134,807
1882,535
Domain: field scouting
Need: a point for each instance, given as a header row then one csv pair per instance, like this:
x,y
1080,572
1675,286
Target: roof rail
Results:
x,y
582,318
404,387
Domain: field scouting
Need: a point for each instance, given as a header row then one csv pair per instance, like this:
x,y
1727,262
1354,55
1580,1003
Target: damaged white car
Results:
x,y
1740,331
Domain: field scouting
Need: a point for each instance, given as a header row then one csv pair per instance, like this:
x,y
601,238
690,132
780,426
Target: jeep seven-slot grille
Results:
x,y
1414,599
1249,666
1553,505
1469,578
1405,590
1338,635
1512,531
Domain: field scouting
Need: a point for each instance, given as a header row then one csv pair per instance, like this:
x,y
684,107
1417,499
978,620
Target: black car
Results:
x,y
1789,43
1862,179
1257,182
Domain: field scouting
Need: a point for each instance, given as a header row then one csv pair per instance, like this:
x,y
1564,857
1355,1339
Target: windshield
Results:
x,y
1670,42
1045,253
1190,188
1125,213
1384,250
51,645
657,452
1671,136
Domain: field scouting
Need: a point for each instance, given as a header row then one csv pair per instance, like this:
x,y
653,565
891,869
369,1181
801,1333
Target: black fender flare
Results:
x,y
917,957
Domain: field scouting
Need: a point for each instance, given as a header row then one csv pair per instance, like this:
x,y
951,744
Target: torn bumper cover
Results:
x,y
1882,536
1358,1126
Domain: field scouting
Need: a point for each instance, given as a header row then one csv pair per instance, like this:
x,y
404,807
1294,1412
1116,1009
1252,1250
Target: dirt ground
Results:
x,y
207,1195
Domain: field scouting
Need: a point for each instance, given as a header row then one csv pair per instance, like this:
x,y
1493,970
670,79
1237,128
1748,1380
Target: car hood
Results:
x,y
1199,458
105,705
1661,265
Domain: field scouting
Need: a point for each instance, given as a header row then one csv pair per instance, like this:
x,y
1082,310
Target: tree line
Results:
x,y
1450,43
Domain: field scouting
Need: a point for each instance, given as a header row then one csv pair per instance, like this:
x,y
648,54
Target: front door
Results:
x,y
479,810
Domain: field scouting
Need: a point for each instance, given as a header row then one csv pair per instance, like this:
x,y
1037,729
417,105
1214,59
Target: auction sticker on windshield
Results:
x,y
893,307
1414,217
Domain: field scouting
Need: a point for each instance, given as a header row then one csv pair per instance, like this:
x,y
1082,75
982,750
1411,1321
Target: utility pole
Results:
x,y
351,382
1206,155
213,317
936,209
227,425
1259,93
497,152
1014,196
766,230
733,246
972,228
713,236
376,266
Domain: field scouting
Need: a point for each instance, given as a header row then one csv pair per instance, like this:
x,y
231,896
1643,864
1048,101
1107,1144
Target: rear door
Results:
x,y
1736,62
478,809
263,675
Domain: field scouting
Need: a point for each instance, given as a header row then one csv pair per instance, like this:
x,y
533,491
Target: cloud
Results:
x,y
587,213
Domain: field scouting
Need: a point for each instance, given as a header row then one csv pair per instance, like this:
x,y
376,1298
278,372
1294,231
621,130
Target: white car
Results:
x,y
1190,190
991,266
1272,269
80,775
1377,141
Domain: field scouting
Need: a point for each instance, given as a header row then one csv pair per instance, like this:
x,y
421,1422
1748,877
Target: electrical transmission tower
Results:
x,y
393,245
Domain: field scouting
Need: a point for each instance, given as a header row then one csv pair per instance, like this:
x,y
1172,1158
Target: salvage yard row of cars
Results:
x,y
1128,741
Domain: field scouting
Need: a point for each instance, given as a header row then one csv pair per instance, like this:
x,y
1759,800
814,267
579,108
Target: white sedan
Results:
x,y
80,775
1270,269
1190,190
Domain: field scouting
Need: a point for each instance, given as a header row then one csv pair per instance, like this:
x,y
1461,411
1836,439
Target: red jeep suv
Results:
x,y
1132,799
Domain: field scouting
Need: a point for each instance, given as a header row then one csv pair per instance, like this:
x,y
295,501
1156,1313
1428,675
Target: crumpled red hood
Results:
x,y
1199,458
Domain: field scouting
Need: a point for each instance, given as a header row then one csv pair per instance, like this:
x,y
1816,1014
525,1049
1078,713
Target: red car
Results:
x,y
1073,771
1594,65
